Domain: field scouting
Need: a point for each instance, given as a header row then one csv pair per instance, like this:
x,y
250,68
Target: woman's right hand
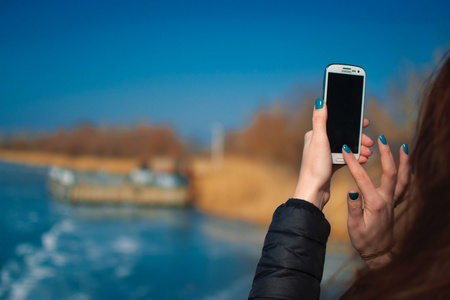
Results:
x,y
316,169
371,212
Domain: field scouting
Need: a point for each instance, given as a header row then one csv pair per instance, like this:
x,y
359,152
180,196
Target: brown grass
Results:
x,y
241,188
249,189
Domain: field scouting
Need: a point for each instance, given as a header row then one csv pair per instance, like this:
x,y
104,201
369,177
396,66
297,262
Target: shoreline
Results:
x,y
80,163
241,188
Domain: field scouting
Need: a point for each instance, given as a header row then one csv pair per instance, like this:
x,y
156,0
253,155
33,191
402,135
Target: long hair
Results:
x,y
420,268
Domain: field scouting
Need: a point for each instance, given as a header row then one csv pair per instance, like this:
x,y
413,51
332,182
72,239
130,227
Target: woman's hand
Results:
x,y
316,168
371,214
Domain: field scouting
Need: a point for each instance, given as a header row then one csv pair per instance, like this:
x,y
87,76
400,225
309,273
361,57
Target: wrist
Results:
x,y
310,194
380,261
379,258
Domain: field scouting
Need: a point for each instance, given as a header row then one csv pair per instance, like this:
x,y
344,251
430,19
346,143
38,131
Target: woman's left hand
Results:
x,y
371,214
316,168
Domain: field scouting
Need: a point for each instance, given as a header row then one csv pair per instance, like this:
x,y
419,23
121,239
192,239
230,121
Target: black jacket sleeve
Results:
x,y
291,264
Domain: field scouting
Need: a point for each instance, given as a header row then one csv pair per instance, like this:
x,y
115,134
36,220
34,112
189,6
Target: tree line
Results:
x,y
143,141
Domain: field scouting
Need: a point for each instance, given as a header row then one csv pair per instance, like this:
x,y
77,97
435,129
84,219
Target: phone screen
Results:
x,y
344,101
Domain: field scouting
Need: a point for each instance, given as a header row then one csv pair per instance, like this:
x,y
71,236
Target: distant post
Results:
x,y
217,144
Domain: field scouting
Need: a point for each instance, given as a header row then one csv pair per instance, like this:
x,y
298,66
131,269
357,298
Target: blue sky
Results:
x,y
192,63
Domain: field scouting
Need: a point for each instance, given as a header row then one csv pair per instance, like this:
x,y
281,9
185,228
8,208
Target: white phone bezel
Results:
x,y
337,158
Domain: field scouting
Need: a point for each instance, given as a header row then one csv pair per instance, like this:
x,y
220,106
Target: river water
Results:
x,y
56,250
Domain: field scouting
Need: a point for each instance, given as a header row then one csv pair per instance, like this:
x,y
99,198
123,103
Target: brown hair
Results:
x,y
420,268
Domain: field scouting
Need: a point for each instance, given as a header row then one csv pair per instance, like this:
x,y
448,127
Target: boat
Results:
x,y
141,186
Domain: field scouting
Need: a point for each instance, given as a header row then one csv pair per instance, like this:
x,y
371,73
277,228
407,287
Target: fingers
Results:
x,y
403,177
366,141
389,176
320,116
362,159
364,151
355,211
358,173
366,123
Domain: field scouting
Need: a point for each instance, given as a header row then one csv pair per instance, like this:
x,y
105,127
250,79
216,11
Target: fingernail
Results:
x,y
353,196
346,148
405,148
319,103
383,140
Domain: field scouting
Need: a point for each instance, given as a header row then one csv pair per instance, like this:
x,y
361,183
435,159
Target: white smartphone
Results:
x,y
343,91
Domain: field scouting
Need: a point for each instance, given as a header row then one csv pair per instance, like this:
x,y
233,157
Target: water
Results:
x,y
55,250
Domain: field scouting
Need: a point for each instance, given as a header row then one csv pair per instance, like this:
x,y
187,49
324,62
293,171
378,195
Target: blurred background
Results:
x,y
144,145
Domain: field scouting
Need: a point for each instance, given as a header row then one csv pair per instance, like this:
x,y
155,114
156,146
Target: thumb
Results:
x,y
355,211
320,116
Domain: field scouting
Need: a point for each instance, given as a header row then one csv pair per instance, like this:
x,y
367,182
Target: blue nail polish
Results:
x,y
383,140
319,103
353,196
405,148
346,148
413,170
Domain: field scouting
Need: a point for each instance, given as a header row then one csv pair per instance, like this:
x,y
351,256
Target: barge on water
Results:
x,y
142,186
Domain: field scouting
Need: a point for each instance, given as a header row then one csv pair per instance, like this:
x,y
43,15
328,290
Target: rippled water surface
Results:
x,y
56,250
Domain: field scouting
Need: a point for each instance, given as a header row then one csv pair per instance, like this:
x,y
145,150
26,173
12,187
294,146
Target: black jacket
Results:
x,y
291,264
